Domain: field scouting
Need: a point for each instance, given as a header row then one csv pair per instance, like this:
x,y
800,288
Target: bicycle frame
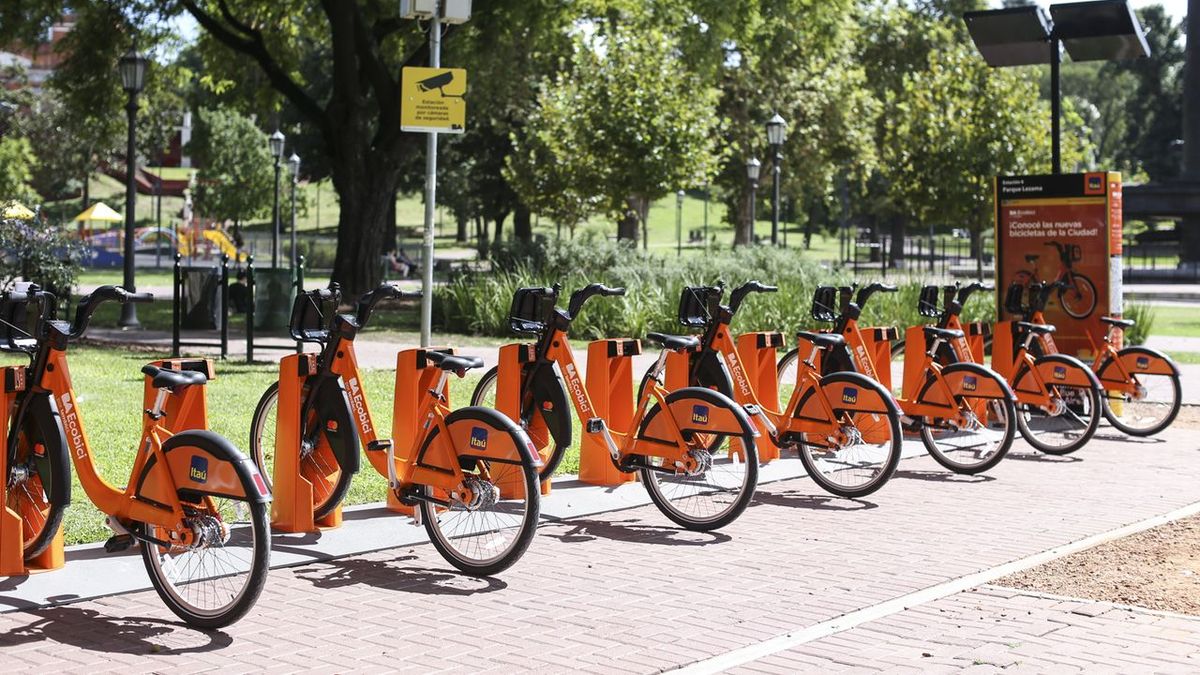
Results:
x,y
151,495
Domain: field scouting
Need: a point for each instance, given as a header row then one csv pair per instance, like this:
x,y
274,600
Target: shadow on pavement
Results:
x,y
943,476
1112,435
91,630
801,500
387,575
577,531
1040,457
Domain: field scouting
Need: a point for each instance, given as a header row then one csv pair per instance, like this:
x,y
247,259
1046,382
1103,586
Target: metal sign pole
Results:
x,y
435,61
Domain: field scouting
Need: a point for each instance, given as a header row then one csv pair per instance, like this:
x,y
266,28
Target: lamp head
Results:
x,y
276,143
132,67
294,166
753,166
776,130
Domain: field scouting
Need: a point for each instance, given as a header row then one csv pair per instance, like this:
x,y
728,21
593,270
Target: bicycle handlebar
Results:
x,y
584,294
966,291
739,294
90,303
866,292
366,304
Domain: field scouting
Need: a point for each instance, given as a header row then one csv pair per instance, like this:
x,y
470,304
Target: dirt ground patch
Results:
x,y
1156,569
1189,417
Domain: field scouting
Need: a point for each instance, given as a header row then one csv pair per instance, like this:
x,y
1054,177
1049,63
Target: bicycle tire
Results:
x,y
896,444
263,417
1010,429
486,388
749,483
528,475
1078,313
1176,403
1034,437
38,420
259,528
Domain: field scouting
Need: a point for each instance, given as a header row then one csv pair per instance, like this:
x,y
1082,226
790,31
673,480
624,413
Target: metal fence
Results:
x,y
947,255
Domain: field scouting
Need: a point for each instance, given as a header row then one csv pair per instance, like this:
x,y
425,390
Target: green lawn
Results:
x,y
1176,321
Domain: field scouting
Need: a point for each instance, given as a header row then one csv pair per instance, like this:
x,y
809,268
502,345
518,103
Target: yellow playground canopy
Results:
x,y
16,210
100,211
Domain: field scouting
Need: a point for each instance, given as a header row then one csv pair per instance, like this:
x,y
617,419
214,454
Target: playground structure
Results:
x,y
194,243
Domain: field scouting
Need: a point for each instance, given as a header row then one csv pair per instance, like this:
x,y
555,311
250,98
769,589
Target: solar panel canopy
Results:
x,y
1016,36
1100,30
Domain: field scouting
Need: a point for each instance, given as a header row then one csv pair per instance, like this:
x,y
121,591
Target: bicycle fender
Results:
x,y
696,409
483,433
53,436
200,462
335,413
1143,360
973,379
1066,370
550,400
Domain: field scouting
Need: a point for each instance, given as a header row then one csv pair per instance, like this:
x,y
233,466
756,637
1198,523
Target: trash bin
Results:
x,y
201,298
272,299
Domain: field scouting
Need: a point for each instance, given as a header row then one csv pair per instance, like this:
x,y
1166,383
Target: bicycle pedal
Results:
x,y
912,424
118,543
378,445
595,425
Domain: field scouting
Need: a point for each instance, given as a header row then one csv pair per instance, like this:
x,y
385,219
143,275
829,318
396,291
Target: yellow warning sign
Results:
x,y
432,100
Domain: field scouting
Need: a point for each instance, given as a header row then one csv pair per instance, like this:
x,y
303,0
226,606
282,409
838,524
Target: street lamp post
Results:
x,y
679,223
753,166
132,67
294,170
276,142
776,132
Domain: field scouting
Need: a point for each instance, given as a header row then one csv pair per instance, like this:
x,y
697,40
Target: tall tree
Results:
x,y
236,180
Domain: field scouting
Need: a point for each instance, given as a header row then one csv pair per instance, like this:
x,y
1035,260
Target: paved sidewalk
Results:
x,y
990,629
624,591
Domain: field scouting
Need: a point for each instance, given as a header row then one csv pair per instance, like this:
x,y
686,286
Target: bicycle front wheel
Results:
x,y
1074,411
1079,298
721,474
863,451
318,461
217,577
485,524
985,434
38,480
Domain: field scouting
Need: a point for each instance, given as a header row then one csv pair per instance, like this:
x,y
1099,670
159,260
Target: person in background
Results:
x,y
239,294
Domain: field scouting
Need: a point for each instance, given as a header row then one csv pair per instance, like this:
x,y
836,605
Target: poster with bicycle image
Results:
x,y
1062,231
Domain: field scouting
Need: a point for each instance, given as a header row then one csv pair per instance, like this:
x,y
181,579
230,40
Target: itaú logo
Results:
x,y
850,395
970,383
479,437
576,386
700,414
739,375
198,470
360,406
1060,372
71,422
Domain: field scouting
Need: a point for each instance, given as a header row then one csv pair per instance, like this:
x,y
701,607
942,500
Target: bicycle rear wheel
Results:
x,y
1158,398
864,452
318,462
38,480
984,401
1074,414
217,578
720,480
481,528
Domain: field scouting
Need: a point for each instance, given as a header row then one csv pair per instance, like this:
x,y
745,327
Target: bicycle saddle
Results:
x,y
1113,321
455,363
1038,328
935,333
676,343
822,340
173,379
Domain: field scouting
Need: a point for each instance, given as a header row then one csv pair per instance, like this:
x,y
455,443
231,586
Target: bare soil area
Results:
x,y
1157,569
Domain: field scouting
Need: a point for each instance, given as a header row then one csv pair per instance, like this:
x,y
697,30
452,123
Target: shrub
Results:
x,y
478,303
1143,317
43,254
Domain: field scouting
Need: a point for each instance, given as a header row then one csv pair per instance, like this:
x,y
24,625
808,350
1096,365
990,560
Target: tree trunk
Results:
x,y
523,224
896,249
481,236
366,193
499,228
741,232
461,235
627,227
389,227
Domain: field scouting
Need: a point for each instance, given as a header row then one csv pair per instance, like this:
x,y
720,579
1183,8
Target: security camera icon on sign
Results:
x,y
438,82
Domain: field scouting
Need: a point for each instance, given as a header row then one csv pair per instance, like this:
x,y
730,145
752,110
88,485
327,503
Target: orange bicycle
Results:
x,y
1142,392
456,466
845,426
677,440
1076,293
963,411
197,505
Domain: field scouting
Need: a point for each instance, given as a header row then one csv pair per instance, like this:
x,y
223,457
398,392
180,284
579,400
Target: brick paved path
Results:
x,y
991,628
624,591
